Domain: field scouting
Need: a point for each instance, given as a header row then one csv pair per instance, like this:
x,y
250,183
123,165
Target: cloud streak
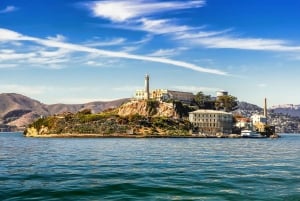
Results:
x,y
8,35
196,89
120,11
144,16
8,9
228,42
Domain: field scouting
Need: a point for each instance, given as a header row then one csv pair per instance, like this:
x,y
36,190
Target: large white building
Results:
x,y
258,119
212,121
162,94
165,94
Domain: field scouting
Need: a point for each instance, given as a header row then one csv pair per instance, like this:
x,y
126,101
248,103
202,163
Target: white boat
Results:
x,y
250,134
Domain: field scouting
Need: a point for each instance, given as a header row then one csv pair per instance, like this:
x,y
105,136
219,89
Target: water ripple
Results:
x,y
149,169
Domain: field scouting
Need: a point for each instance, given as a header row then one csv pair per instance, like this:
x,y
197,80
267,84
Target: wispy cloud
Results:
x,y
229,42
127,88
144,15
262,85
58,37
24,89
167,52
8,9
196,89
8,35
122,10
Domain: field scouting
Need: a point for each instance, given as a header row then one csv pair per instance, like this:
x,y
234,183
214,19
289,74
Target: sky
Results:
x,y
77,51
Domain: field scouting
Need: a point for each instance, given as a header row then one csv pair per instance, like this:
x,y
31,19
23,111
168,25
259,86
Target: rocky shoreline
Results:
x,y
72,135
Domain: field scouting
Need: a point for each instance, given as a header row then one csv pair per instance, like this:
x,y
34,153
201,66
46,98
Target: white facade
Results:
x,y
139,94
212,121
164,95
258,119
222,93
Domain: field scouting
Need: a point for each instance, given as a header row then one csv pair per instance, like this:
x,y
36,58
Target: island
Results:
x,y
142,118
158,113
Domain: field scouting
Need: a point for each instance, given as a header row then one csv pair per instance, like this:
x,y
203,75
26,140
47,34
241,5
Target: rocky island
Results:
x,y
138,118
158,113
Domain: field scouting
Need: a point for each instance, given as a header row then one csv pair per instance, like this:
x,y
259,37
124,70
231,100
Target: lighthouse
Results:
x,y
265,110
147,91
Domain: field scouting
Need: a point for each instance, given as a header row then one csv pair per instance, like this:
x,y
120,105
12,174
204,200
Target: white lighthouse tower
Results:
x,y
147,91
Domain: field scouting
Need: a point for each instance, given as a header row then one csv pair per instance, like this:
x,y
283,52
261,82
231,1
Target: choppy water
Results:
x,y
149,169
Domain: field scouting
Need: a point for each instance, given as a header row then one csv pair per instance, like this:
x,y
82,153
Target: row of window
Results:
x,y
212,115
211,125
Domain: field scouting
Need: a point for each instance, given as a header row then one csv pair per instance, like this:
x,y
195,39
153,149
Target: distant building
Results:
x,y
259,122
139,94
243,123
162,94
143,94
165,94
222,93
212,121
257,118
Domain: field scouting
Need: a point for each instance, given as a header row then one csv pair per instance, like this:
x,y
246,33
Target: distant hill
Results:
x,y
247,109
288,109
96,107
18,111
15,105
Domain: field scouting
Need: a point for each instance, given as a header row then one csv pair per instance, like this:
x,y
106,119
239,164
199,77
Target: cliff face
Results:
x,y
142,107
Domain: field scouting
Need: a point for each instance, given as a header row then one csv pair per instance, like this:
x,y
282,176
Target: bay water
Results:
x,y
149,169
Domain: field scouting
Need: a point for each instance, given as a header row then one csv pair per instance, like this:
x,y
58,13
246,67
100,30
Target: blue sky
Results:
x,y
80,51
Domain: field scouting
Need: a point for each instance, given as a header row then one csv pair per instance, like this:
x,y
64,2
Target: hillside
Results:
x,y
285,118
135,118
15,105
288,109
95,107
17,111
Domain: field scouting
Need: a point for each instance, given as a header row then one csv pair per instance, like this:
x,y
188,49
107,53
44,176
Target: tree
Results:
x,y
227,103
181,109
201,99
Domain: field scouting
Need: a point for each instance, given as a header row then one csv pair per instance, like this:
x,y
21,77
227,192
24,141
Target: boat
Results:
x,y
247,133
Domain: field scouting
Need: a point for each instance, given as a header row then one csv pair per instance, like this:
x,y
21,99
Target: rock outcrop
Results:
x,y
140,107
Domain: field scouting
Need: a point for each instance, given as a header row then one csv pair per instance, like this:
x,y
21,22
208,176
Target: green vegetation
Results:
x,y
227,103
202,101
182,109
108,123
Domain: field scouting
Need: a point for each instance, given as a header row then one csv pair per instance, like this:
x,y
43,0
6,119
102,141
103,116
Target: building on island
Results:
x,y
165,95
260,122
222,93
143,94
211,121
162,94
243,123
